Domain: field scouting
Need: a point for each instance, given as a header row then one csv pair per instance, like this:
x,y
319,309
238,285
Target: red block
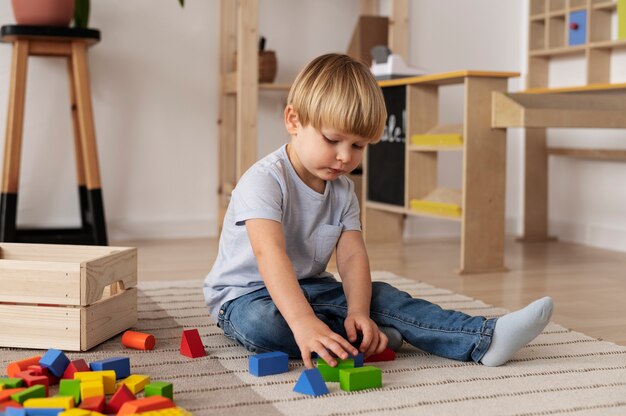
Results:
x,y
5,395
9,403
191,344
42,371
386,355
145,405
75,366
31,379
95,404
121,396
18,366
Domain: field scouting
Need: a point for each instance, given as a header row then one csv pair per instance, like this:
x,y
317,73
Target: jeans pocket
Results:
x,y
326,238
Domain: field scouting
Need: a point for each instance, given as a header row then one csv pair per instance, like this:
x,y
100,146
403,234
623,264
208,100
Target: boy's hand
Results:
x,y
374,341
313,335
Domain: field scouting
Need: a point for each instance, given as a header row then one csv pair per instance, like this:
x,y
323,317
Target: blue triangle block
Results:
x,y
311,383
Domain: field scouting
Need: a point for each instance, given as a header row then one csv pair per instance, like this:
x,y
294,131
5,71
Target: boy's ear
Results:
x,y
291,120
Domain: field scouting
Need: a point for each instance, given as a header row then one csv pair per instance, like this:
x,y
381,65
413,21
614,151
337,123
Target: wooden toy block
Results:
x,y
121,396
37,370
50,403
31,379
15,411
136,382
387,355
144,405
1,387
17,367
366,377
55,361
121,366
5,395
11,383
359,359
268,363
332,373
107,377
138,340
74,367
94,403
9,403
191,344
159,388
35,412
70,388
91,389
172,411
65,297
75,412
311,382
29,393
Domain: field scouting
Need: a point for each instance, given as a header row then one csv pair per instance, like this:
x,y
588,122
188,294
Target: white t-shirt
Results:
x,y
312,223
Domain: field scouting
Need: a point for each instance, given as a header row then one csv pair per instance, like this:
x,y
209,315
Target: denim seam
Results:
x,y
238,336
395,318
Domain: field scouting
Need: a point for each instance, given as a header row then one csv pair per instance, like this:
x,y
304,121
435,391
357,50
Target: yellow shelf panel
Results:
x,y
440,202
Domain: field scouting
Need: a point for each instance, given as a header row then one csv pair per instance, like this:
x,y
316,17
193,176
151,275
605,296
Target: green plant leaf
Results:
x,y
81,14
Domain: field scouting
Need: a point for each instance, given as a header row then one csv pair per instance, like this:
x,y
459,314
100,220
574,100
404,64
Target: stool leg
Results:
x,y
78,150
13,143
88,141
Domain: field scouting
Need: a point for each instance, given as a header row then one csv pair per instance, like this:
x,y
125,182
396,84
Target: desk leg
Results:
x,y
484,170
535,186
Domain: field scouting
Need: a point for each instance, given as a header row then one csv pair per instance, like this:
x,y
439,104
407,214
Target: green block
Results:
x,y
159,388
11,383
32,392
332,373
70,388
361,378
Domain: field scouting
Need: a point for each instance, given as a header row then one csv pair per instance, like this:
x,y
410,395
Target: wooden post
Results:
x,y
399,28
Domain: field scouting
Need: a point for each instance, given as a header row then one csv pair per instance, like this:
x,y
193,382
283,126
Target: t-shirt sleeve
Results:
x,y
257,195
351,218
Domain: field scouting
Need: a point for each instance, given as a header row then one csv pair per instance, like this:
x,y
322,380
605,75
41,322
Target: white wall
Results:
x,y
155,90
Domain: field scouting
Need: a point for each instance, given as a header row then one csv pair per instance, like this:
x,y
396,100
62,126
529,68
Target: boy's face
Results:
x,y
323,155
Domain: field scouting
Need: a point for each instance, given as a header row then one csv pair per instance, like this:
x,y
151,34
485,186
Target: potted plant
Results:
x,y
43,12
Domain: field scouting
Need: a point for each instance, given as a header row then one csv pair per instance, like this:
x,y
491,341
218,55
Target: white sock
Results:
x,y
516,329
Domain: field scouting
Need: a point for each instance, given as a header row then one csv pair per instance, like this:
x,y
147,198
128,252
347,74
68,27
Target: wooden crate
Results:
x,y
65,297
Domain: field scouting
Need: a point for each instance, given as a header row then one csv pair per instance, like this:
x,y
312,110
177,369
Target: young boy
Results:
x,y
269,289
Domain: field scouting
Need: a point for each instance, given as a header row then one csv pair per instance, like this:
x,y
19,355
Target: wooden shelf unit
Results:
x,y
239,88
549,37
479,206
597,104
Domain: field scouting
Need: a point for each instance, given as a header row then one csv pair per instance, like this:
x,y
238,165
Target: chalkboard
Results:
x,y
385,163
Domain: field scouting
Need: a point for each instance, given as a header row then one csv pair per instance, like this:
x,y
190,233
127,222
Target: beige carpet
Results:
x,y
561,372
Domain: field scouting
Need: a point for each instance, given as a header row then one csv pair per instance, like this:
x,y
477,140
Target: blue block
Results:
x,y
311,383
268,363
359,359
121,366
577,31
43,412
55,361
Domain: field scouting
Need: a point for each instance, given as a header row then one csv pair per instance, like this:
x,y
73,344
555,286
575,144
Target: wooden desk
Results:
x,y
589,106
400,173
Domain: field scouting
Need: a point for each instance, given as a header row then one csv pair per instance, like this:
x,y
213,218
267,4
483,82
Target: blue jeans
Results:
x,y
254,321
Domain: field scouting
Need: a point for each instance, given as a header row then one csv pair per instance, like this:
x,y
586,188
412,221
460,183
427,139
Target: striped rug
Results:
x,y
561,372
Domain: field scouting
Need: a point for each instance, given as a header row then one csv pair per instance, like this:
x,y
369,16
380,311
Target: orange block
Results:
x,y
144,405
5,395
138,340
17,367
9,403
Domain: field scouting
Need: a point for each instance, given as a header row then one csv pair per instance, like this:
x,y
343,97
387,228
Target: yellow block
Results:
x,y
439,140
135,382
107,377
1,387
51,402
91,389
172,411
76,412
436,208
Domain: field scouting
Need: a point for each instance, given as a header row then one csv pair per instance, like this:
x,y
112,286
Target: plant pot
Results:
x,y
268,65
43,12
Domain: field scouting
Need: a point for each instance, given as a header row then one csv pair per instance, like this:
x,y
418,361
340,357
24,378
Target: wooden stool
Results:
x,y
53,42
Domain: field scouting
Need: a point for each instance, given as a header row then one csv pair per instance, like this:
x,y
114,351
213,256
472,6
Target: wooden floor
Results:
x,y
588,285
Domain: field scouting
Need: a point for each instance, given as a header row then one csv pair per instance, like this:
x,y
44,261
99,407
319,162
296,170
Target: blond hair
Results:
x,y
335,91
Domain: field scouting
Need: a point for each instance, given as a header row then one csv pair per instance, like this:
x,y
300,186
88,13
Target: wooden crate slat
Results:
x,y
107,318
99,273
53,252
